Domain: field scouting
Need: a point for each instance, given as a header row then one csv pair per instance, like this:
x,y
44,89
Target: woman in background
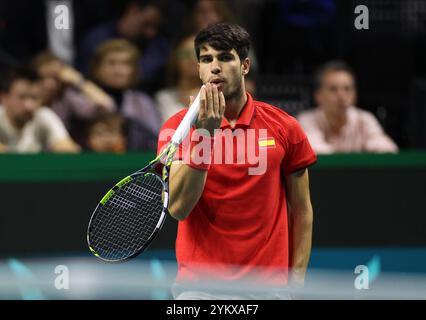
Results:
x,y
107,133
114,68
183,78
207,12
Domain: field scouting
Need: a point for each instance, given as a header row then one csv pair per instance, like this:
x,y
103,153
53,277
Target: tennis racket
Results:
x,y
129,216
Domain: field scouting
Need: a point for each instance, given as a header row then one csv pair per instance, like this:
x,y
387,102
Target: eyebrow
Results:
x,y
221,53
226,54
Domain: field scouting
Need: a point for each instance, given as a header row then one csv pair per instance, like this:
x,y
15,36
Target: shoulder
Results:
x,y
175,119
166,93
364,118
46,117
168,128
311,119
2,116
363,115
273,113
308,115
44,113
166,96
279,120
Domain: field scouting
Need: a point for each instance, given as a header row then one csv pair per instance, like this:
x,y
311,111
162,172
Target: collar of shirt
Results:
x,y
245,117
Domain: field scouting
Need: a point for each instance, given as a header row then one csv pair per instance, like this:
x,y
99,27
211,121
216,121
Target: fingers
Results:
x,y
221,104
209,88
212,108
215,101
203,104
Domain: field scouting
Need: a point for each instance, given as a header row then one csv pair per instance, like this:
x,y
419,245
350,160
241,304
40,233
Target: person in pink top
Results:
x,y
337,125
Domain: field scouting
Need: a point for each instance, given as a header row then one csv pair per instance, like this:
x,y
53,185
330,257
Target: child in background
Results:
x,y
107,133
115,69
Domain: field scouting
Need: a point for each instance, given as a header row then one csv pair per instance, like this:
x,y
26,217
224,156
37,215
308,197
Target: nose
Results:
x,y
215,67
30,105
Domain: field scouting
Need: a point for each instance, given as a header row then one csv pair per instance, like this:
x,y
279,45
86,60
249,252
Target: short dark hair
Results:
x,y
109,119
331,66
224,36
21,73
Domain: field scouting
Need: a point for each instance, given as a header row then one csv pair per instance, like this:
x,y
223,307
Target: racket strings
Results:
x,y
125,223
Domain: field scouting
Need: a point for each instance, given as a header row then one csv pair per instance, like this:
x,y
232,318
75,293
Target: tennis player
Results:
x,y
233,224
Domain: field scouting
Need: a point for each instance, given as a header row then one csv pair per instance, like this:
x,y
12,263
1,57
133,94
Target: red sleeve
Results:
x,y
299,153
167,131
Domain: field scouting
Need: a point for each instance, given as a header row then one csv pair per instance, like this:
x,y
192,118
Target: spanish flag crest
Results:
x,y
267,143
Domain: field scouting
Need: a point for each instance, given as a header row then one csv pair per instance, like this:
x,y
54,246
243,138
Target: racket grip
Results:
x,y
187,121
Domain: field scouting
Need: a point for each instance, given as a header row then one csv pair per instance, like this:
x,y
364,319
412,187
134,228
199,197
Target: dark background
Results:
x,y
291,39
366,201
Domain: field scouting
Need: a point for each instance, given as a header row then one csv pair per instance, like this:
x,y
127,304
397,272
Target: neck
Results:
x,y
336,120
234,106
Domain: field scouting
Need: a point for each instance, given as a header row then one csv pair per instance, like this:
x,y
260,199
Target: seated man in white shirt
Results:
x,y
337,125
26,126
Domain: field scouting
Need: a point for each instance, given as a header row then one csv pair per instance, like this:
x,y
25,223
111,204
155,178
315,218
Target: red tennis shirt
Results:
x,y
239,225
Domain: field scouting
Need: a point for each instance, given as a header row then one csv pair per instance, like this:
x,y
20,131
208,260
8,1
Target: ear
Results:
x,y
245,66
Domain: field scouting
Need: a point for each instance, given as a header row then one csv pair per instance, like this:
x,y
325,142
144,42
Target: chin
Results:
x,y
119,86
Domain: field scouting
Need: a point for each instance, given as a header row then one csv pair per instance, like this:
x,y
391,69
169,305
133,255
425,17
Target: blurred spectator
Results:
x,y
183,77
25,126
115,68
107,134
207,12
65,91
139,24
336,125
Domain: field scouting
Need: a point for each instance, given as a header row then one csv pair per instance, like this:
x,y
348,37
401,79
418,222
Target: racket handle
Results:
x,y
187,121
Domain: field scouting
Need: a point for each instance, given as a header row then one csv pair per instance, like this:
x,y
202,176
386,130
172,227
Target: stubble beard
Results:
x,y
236,93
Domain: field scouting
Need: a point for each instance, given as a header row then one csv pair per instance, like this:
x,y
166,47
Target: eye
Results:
x,y
227,57
206,59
